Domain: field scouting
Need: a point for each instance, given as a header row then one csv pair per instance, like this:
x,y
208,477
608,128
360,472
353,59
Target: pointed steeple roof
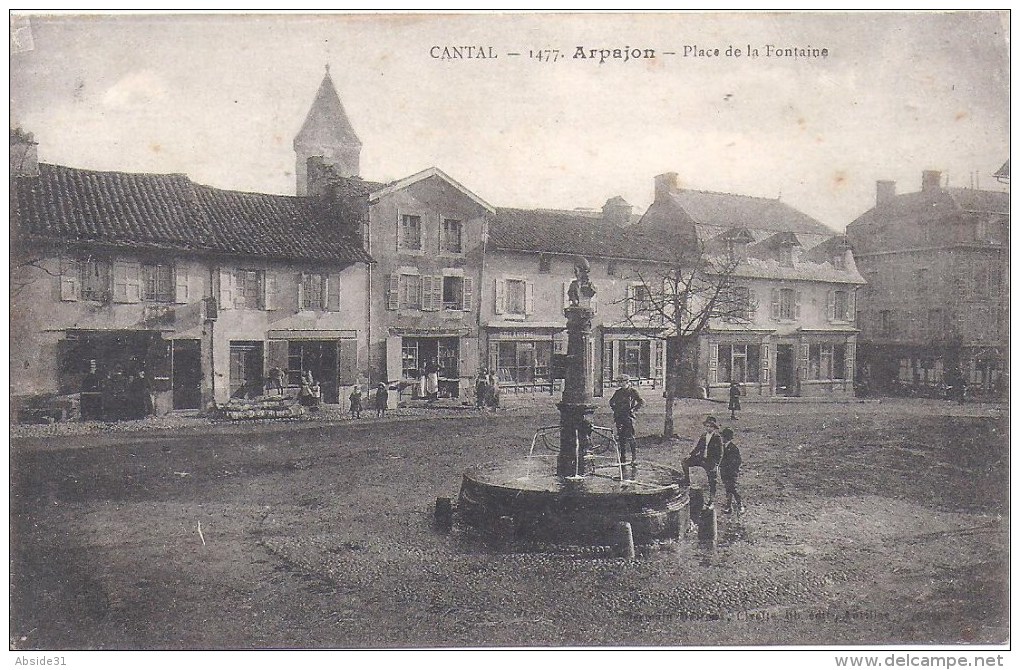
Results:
x,y
327,124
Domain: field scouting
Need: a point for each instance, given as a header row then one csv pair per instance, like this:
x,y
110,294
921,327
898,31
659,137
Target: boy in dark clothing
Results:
x,y
706,454
735,394
355,399
482,390
382,397
729,468
624,403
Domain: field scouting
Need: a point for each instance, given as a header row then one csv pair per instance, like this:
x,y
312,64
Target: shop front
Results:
x,y
626,352
412,353
523,359
125,374
329,356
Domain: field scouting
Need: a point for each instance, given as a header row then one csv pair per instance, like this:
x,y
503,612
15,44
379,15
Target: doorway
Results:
x,y
785,379
246,365
318,357
186,372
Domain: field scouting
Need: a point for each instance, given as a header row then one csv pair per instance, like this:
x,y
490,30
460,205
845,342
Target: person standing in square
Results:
x,y
735,393
729,468
626,401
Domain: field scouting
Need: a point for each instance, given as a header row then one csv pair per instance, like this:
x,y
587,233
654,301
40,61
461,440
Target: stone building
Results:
x,y
796,279
201,288
937,300
529,265
426,234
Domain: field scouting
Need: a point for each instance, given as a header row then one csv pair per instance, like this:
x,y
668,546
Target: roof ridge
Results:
x,y
735,195
120,172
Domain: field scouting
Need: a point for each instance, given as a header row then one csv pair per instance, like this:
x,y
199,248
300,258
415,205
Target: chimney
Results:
x,y
884,191
24,154
617,211
931,180
665,184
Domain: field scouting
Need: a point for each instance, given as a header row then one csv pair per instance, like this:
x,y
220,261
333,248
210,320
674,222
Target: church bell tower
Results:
x,y
327,133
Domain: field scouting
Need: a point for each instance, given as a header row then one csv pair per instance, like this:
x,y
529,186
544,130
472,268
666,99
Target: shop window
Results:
x,y
635,359
739,362
524,362
826,361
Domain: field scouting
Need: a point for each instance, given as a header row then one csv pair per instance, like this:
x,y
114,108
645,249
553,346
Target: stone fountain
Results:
x,y
583,495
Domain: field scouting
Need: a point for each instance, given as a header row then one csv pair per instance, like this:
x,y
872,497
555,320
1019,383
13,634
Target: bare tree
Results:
x,y
675,301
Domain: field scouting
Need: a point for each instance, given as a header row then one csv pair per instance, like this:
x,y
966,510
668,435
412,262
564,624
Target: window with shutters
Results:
x,y
516,296
158,283
409,234
410,291
248,286
313,291
840,306
450,240
95,279
787,304
457,293
639,301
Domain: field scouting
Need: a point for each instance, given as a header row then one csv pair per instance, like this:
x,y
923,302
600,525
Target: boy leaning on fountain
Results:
x,y
706,454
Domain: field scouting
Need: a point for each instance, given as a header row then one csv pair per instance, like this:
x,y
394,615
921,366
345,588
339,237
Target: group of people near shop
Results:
x,y
715,450
120,394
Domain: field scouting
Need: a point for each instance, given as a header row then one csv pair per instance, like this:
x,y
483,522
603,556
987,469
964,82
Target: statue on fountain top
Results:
x,y
581,292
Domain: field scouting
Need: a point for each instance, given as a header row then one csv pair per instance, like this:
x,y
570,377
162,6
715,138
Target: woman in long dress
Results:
x,y
432,379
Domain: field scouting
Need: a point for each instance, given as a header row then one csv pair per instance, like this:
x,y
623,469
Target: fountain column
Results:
x,y
576,407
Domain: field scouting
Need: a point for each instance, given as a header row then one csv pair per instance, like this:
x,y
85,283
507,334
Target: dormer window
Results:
x,y
786,254
736,241
839,261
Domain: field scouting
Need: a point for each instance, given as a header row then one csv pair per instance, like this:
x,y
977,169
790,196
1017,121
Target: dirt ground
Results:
x,y
876,523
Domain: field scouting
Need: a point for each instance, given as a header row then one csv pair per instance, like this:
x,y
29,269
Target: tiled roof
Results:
x,y
911,206
578,232
744,211
169,211
549,230
974,200
258,224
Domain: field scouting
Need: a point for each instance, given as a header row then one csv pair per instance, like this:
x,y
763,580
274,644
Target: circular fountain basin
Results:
x,y
582,511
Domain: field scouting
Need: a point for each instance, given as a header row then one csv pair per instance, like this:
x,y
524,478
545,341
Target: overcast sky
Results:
x,y
220,98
